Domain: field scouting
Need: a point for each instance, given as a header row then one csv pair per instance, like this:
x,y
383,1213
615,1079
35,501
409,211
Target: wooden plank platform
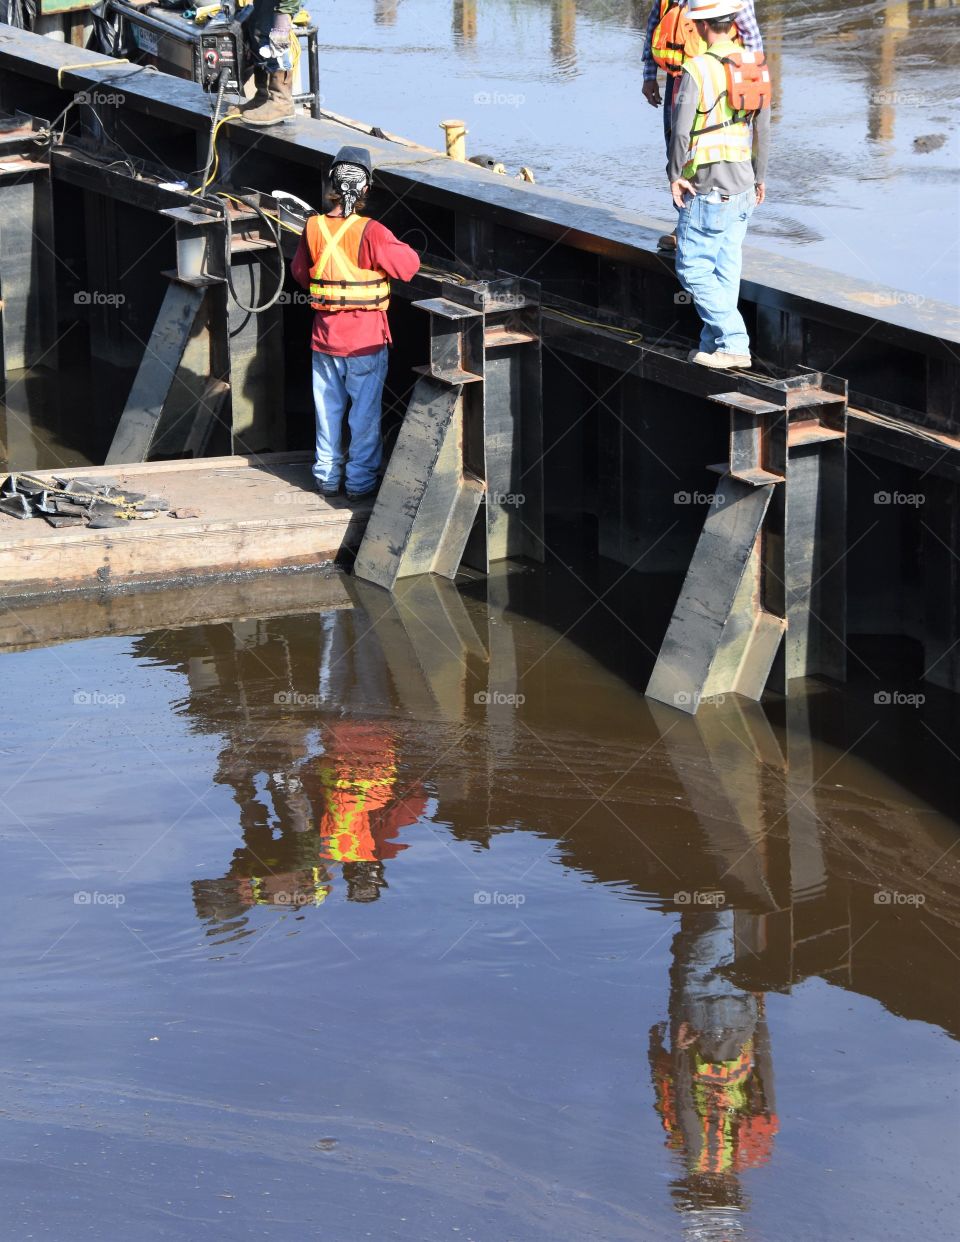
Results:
x,y
253,514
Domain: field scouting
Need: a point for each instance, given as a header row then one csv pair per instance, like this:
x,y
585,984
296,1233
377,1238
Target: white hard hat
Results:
x,y
706,10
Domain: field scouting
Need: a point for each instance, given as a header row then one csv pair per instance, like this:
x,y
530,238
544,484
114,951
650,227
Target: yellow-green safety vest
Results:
x,y
720,134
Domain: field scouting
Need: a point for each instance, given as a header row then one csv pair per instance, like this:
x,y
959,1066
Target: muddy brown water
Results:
x,y
411,919
555,84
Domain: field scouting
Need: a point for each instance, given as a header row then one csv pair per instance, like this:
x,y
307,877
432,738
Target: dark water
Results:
x,y
555,84
414,920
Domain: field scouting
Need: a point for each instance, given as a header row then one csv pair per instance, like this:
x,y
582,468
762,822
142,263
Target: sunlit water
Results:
x,y
416,921
555,84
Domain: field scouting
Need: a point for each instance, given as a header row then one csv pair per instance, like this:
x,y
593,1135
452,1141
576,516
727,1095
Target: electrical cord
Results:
x,y
228,245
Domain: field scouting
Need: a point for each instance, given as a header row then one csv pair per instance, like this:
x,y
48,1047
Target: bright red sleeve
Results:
x,y
381,249
300,266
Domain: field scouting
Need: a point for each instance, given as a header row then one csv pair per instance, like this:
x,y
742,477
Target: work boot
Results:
x,y
279,106
721,360
260,95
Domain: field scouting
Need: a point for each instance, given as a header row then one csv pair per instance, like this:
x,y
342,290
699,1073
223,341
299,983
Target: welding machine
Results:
x,y
199,47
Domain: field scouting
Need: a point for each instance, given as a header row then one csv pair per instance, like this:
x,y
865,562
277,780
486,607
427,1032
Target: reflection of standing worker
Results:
x,y
716,170
671,38
714,1084
346,261
354,786
268,32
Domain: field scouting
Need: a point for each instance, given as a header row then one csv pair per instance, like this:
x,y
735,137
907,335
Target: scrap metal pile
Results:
x,y
75,502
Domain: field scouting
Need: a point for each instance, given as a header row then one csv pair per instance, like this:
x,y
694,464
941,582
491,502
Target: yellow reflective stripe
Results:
x,y
331,252
733,143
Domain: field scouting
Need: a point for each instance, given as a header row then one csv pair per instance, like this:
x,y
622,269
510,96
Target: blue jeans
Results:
x,y
357,383
710,237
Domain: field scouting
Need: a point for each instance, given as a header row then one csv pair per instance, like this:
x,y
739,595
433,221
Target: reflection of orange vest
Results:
x,y
337,281
350,800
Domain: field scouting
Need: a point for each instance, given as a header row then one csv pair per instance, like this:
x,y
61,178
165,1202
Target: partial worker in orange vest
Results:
x,y
671,39
346,261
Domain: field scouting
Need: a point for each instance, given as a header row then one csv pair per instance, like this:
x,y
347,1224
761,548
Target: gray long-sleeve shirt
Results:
x,y
728,177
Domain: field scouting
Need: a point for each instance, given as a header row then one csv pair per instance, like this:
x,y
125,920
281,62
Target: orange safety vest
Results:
x,y
676,38
337,281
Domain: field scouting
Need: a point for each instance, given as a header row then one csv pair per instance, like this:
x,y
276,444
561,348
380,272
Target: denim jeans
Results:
x,y
350,388
710,237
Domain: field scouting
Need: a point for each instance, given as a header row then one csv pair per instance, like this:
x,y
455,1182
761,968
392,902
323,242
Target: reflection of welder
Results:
x,y
360,810
714,1084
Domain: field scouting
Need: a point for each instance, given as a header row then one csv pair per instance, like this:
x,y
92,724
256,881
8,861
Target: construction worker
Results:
x,y
346,261
268,32
716,169
670,38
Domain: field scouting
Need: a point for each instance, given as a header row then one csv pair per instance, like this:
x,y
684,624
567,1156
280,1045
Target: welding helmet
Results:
x,y
351,175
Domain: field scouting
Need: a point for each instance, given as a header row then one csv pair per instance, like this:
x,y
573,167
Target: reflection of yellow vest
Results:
x,y
337,281
718,135
720,1094
345,826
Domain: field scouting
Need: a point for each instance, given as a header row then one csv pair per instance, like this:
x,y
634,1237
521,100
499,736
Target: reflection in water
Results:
x,y
342,733
713,1077
385,12
563,36
465,21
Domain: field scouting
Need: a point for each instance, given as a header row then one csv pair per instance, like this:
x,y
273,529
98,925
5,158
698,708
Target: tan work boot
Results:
x,y
721,360
261,80
279,105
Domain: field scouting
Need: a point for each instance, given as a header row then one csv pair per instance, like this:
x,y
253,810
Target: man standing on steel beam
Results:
x,y
671,38
269,32
346,261
716,167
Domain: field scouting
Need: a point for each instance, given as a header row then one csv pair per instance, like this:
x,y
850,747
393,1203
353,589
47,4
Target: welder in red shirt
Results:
x,y
346,261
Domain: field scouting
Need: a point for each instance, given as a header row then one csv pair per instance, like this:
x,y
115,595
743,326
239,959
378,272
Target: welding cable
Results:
x,y
214,127
281,271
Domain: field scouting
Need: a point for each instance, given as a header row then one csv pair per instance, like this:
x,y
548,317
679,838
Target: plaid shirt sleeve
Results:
x,y
749,30
649,64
